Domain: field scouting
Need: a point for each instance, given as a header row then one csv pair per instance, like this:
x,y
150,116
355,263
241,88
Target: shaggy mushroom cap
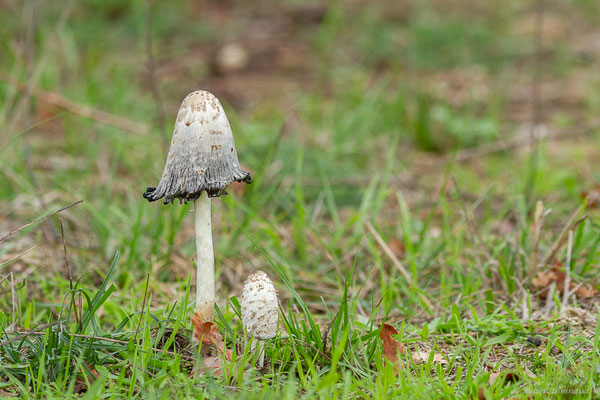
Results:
x,y
260,311
202,156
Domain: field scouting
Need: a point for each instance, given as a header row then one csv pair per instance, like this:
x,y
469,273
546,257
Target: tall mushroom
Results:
x,y
260,310
202,161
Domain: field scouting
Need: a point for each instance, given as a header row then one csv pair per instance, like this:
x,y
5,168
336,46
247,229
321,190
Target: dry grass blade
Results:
x,y
36,332
80,109
477,239
571,224
15,300
519,140
150,65
143,308
17,256
386,249
538,222
558,277
567,280
14,232
62,234
484,150
69,272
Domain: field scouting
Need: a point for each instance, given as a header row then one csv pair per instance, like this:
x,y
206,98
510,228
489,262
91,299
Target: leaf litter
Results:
x,y
216,354
543,280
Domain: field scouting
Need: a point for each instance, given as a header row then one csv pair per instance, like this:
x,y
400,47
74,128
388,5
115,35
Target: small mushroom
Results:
x,y
201,163
260,310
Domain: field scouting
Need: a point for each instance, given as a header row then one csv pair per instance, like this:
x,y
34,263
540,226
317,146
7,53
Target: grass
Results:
x,y
383,108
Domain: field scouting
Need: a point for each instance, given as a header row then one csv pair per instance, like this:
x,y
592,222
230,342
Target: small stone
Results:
x,y
534,340
231,58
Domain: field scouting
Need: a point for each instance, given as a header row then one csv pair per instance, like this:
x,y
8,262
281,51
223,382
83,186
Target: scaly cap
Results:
x,y
202,156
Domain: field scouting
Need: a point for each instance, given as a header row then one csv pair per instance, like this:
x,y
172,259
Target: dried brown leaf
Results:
x,y
543,280
205,332
212,364
391,347
208,333
592,196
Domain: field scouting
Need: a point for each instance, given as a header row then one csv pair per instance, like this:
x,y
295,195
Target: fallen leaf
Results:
x,y
391,347
543,280
592,196
494,377
509,377
92,370
208,334
205,332
214,364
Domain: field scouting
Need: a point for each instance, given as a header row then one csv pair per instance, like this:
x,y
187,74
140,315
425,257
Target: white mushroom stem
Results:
x,y
205,259
260,347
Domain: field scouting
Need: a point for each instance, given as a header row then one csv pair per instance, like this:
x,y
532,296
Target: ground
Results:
x,y
429,165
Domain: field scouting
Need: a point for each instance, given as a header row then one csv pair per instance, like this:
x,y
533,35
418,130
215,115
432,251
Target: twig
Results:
x,y
14,232
143,308
566,291
386,249
150,65
80,109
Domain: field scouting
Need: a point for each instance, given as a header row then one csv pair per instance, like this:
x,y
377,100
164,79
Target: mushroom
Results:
x,y
260,310
202,161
